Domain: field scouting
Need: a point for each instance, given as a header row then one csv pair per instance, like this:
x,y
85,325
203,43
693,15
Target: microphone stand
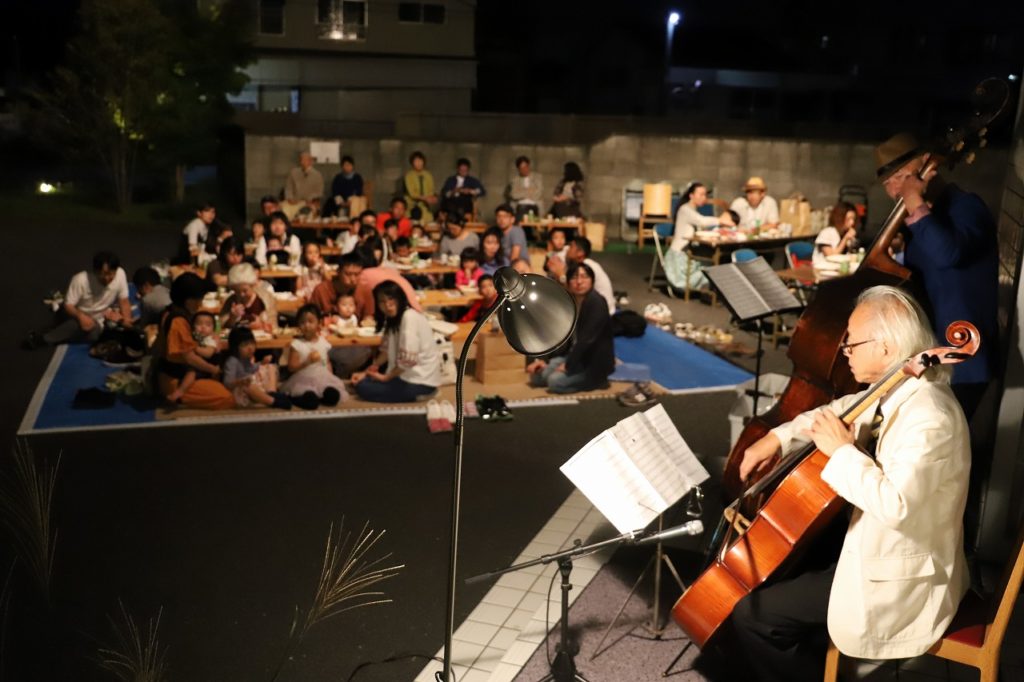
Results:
x,y
563,668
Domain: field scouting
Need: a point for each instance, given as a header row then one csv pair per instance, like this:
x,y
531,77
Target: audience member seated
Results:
x,y
209,345
245,307
344,316
347,359
419,190
682,271
457,239
568,193
359,273
513,239
218,233
251,382
232,252
460,191
579,252
470,271
269,205
755,208
310,378
281,230
589,357
367,217
419,237
397,213
839,237
174,353
557,248
490,296
95,298
388,239
522,266
525,190
492,257
152,295
312,270
194,234
303,189
413,369
346,184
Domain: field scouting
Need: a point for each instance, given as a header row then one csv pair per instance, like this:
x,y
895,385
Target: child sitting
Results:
x,y
402,250
470,272
312,270
251,383
244,308
346,313
490,296
557,248
203,331
276,254
311,380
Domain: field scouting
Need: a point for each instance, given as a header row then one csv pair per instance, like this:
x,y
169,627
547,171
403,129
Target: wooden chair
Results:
x,y
976,633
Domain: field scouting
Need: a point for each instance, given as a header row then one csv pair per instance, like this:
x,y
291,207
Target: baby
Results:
x,y
346,309
205,334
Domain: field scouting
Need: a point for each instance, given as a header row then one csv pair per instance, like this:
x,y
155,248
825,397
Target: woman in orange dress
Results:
x,y
175,350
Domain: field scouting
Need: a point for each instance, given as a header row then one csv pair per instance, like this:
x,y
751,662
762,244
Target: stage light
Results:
x,y
46,188
673,18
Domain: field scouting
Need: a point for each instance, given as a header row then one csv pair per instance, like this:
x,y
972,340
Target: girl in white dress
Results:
x,y
308,364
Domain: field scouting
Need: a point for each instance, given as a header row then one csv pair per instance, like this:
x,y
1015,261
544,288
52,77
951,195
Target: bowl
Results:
x,y
367,331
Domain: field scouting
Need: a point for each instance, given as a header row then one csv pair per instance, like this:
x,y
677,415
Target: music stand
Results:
x,y
654,627
752,291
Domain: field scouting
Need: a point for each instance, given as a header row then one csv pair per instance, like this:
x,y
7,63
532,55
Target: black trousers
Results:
x,y
782,630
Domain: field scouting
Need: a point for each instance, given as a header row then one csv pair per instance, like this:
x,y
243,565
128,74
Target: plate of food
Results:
x,y
367,331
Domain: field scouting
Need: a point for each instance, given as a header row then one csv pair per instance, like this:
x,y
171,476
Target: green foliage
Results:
x,y
146,77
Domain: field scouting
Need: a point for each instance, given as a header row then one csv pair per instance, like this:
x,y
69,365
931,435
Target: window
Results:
x,y
421,13
271,17
341,19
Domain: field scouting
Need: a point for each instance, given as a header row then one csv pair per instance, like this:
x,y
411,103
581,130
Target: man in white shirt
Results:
x,y
94,299
755,208
304,187
579,252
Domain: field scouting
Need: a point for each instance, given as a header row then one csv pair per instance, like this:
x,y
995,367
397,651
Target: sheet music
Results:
x,y
635,470
739,294
772,289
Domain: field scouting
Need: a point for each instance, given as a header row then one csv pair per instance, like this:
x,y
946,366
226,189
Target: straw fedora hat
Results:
x,y
755,182
895,153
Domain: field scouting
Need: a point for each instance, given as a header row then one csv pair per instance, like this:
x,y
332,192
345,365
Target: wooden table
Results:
x,y
286,306
443,298
434,268
265,273
715,250
554,224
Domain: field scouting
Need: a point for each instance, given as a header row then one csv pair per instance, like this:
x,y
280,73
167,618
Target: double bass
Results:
x,y
820,374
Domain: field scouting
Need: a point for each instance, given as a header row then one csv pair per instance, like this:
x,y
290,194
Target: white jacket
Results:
x,y
902,571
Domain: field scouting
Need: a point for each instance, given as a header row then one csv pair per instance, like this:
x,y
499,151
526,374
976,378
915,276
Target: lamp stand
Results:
x,y
444,675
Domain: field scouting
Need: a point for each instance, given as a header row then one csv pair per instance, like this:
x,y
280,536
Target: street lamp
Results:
x,y
674,19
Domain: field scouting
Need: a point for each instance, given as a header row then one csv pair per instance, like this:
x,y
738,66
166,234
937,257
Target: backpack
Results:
x,y
628,323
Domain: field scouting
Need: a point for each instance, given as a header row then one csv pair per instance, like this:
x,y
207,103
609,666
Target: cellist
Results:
x,y
901,572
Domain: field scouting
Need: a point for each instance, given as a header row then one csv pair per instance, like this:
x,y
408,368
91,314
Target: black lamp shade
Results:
x,y
539,315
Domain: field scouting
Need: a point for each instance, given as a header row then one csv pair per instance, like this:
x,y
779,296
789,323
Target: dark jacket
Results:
x,y
592,349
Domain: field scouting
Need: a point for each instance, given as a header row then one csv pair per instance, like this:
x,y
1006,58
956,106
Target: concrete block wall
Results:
x,y
814,169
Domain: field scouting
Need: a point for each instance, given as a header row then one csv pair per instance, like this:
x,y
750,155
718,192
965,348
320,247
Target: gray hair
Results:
x,y
901,321
243,273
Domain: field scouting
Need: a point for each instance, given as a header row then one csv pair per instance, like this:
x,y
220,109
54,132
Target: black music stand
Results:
x,y
752,291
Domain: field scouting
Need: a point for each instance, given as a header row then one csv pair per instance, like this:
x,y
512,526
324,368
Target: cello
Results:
x,y
800,506
820,373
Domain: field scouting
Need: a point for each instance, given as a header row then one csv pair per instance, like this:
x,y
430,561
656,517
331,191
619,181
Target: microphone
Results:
x,y
695,527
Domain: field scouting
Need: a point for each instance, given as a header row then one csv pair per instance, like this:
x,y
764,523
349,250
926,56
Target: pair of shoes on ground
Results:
x,y
307,400
493,408
707,334
440,416
658,313
640,394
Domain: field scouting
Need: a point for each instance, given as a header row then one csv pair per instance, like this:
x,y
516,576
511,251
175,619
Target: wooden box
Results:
x,y
496,361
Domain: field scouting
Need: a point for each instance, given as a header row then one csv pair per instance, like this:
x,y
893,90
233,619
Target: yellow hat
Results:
x,y
895,153
755,182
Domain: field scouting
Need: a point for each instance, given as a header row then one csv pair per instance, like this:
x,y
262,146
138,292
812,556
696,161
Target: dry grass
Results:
x,y
134,656
346,576
26,506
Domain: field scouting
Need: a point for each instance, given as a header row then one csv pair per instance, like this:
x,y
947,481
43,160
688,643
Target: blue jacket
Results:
x,y
469,183
954,253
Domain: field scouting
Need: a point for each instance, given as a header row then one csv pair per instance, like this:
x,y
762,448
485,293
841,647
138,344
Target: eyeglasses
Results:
x,y
847,348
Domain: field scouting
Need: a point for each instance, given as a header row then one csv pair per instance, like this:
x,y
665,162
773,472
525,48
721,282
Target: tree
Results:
x,y
142,76
206,64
